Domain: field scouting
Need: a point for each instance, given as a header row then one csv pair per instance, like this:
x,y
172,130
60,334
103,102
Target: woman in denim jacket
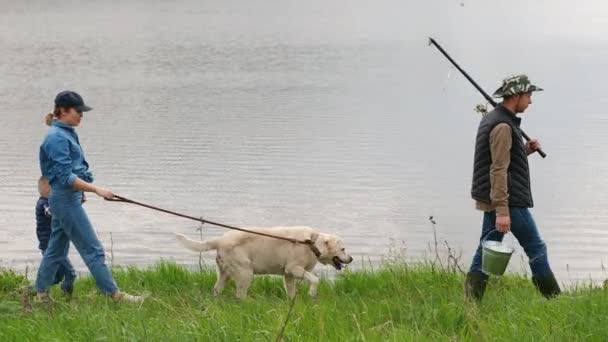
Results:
x,y
62,162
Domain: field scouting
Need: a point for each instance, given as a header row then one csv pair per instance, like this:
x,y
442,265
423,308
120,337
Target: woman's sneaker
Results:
x,y
131,299
43,298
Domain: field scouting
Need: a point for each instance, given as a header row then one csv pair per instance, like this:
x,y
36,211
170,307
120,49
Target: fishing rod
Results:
x,y
485,95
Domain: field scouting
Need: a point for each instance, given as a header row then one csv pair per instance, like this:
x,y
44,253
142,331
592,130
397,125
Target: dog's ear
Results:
x,y
320,242
329,243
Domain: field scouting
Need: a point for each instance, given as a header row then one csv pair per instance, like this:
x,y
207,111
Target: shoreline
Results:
x,y
395,302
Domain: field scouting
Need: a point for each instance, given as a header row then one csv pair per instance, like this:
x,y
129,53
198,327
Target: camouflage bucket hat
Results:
x,y
514,85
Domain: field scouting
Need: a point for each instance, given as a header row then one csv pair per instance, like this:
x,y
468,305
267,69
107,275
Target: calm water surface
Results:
x,y
330,114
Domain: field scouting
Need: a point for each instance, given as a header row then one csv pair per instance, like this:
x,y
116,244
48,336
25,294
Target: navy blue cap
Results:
x,y
71,99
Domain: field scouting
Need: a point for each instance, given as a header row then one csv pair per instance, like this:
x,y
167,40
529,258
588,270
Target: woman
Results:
x,y
62,162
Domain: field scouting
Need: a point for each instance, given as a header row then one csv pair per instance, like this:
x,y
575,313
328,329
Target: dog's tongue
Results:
x,y
337,263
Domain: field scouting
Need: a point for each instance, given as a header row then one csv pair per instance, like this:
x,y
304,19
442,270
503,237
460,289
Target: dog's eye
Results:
x,y
343,249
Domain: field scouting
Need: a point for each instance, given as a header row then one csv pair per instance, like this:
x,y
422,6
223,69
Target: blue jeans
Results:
x,y
65,273
525,231
71,223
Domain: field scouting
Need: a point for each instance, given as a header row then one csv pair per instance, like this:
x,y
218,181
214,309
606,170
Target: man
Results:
x,y
501,186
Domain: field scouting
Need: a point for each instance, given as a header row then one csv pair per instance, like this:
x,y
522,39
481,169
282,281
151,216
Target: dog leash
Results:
x,y
308,242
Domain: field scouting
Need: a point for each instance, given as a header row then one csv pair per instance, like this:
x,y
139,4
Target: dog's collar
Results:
x,y
311,243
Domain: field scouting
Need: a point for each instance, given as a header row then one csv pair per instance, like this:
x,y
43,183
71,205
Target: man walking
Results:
x,y
501,187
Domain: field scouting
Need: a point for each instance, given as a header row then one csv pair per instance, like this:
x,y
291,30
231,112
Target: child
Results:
x,y
43,232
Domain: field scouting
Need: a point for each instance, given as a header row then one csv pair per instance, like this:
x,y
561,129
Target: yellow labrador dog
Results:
x,y
240,255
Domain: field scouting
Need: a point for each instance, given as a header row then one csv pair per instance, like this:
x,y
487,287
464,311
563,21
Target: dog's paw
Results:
x,y
313,298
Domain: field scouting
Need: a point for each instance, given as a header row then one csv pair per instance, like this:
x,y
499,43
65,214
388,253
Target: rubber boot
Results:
x,y
547,286
475,286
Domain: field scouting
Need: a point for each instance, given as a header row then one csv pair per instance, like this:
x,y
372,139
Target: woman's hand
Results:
x,y
105,193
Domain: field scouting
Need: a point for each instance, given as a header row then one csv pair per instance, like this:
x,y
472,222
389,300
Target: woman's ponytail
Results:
x,y
49,118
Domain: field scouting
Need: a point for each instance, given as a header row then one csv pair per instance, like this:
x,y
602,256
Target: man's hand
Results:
x,y
532,146
503,224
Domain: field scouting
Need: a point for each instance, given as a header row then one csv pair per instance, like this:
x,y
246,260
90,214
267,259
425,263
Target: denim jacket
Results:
x,y
62,157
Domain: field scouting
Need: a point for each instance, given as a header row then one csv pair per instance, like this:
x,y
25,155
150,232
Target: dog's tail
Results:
x,y
197,246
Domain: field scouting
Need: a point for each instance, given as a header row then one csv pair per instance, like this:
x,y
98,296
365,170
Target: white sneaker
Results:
x,y
131,299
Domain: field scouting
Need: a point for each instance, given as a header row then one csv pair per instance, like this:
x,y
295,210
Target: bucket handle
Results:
x,y
487,235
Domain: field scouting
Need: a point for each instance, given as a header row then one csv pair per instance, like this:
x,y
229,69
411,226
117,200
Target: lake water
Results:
x,y
331,114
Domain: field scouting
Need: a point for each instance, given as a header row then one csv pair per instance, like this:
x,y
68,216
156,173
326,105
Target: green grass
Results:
x,y
394,303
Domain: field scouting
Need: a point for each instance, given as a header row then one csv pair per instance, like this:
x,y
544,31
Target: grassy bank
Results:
x,y
396,302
